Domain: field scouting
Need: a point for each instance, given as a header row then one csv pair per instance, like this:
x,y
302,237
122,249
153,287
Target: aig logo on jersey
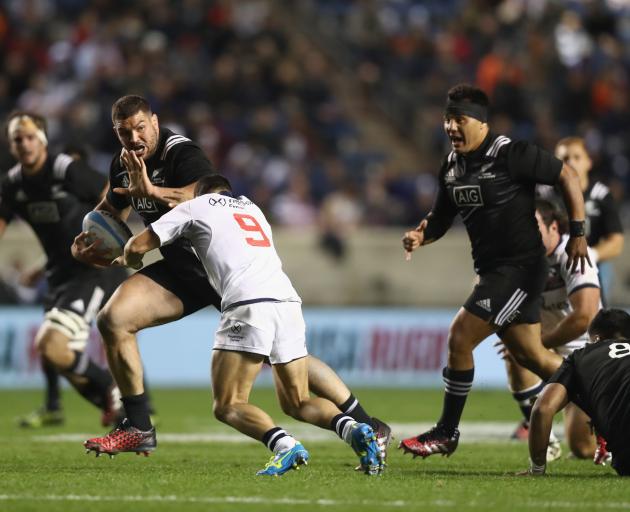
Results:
x,y
468,195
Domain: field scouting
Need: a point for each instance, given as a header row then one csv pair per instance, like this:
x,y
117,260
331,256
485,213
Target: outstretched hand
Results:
x,y
139,183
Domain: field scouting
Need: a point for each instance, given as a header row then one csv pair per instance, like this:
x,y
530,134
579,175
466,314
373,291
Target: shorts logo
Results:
x,y
236,328
484,304
468,195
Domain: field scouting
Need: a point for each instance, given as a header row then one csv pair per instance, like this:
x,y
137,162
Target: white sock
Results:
x,y
347,432
286,443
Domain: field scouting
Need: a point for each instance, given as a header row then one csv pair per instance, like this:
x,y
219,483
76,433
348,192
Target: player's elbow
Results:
x,y
581,321
542,411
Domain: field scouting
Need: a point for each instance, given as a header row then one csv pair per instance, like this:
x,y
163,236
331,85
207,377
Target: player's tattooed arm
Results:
x,y
136,247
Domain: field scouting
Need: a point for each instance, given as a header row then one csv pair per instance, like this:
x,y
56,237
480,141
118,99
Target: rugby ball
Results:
x,y
112,232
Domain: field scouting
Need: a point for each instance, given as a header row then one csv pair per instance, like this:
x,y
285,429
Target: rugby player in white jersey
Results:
x,y
570,302
261,317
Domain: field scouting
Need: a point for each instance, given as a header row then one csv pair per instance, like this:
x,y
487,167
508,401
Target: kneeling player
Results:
x,y
261,318
596,379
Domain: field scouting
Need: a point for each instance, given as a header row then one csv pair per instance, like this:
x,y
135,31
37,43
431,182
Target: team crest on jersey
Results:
x,y
213,202
468,195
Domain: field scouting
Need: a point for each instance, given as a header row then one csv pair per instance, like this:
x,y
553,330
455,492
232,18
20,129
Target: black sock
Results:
x,y
137,411
148,394
99,379
527,398
458,384
53,395
338,424
352,408
272,436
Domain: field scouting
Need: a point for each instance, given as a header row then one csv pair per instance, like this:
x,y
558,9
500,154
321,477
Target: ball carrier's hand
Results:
x,y
139,183
414,239
88,252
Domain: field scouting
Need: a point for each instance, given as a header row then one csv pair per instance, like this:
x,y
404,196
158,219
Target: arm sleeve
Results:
x,y
116,174
441,215
527,162
576,280
189,164
173,224
610,215
85,182
565,374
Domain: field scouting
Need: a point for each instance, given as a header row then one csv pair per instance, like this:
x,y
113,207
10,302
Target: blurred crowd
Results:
x,y
253,82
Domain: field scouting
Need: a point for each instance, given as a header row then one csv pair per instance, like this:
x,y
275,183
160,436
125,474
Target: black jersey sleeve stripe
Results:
x,y
173,140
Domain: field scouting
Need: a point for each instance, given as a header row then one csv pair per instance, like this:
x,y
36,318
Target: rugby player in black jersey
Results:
x,y
52,193
155,170
597,379
489,181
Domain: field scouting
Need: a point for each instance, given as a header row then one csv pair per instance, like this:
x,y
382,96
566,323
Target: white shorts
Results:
x,y
273,329
568,348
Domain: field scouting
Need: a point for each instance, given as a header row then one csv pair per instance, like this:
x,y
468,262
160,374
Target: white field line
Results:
x,y
470,432
261,500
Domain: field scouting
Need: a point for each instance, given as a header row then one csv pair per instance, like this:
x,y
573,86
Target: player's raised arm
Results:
x,y
577,249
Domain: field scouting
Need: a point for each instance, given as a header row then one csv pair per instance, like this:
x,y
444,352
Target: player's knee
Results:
x,y
582,449
222,411
458,341
108,325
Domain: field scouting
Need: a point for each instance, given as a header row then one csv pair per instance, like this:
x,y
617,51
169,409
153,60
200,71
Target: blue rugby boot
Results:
x,y
365,445
285,460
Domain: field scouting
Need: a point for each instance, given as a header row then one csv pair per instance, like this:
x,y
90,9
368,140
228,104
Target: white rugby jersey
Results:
x,y
561,283
233,240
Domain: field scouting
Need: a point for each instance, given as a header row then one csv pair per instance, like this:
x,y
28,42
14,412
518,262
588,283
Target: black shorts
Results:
x,y
86,293
192,289
509,294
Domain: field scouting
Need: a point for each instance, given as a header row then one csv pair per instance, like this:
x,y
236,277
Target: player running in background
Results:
x,y
155,170
261,318
597,379
52,193
604,232
490,181
570,302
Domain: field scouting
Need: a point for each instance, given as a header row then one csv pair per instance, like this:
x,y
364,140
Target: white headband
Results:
x,y
27,123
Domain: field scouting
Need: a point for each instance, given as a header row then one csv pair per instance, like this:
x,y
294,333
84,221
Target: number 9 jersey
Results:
x,y
233,240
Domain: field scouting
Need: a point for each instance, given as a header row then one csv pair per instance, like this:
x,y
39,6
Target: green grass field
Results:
x,y
47,469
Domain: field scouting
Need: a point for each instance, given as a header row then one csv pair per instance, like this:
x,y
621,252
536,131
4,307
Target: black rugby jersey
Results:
x,y
177,162
597,379
54,201
492,188
602,217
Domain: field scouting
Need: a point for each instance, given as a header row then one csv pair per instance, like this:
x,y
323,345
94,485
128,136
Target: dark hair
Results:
x,y
550,211
610,324
40,121
212,183
467,92
128,106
